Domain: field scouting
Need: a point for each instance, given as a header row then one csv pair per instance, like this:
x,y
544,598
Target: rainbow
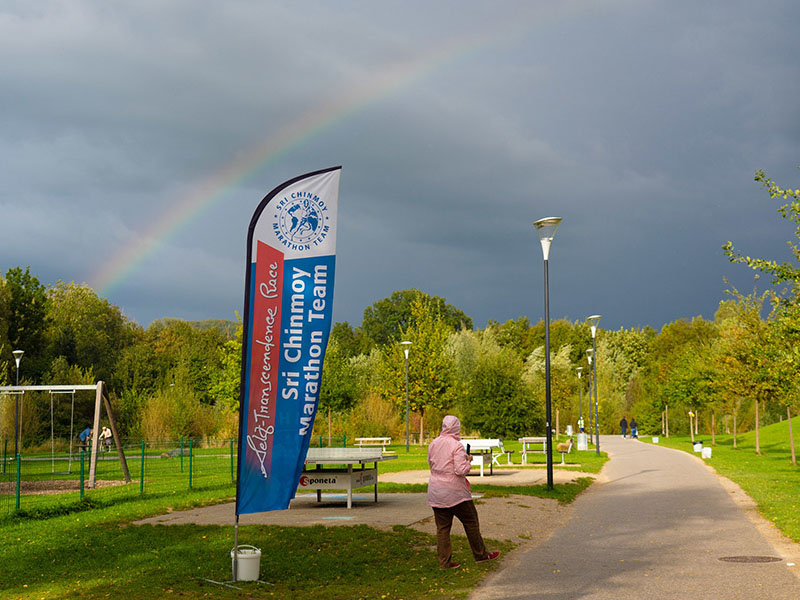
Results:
x,y
211,190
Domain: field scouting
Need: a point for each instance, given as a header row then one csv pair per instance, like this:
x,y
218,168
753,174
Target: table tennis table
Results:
x,y
341,474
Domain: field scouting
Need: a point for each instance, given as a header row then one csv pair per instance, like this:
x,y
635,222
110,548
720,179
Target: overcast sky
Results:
x,y
137,139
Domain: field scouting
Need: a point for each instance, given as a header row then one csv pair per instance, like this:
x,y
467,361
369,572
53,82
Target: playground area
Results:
x,y
45,482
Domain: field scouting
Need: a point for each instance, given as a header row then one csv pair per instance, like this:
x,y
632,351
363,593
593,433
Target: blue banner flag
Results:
x,y
291,261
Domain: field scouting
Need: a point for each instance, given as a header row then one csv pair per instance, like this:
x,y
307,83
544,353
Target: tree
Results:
x,y
5,346
86,329
783,345
563,383
226,389
429,367
742,355
491,393
665,354
351,341
386,320
338,390
27,321
516,334
783,272
500,404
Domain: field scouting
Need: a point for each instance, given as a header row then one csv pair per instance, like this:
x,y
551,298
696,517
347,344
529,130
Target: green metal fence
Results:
x,y
45,481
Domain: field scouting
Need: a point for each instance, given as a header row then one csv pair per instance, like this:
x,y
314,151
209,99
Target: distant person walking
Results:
x,y
634,429
623,427
449,494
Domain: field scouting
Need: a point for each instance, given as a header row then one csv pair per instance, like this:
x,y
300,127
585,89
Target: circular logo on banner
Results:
x,y
303,481
301,221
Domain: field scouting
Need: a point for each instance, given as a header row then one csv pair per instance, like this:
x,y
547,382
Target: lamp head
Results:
x,y
593,321
546,228
580,371
406,346
589,354
18,356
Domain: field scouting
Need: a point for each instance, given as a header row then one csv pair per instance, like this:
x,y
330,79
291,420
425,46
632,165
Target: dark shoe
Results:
x,y
490,556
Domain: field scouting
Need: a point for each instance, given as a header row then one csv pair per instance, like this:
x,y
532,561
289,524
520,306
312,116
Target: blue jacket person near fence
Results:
x,y
85,436
449,494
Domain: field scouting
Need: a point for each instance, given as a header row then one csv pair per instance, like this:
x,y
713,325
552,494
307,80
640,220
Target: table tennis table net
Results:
x,y
345,454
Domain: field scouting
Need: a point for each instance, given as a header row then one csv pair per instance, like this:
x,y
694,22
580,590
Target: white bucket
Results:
x,y
249,559
706,452
655,440
698,446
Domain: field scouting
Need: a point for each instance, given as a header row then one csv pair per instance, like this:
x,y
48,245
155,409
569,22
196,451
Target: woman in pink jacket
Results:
x,y
449,495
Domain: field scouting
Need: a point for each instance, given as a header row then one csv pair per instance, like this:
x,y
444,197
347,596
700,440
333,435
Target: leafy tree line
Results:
x,y
177,378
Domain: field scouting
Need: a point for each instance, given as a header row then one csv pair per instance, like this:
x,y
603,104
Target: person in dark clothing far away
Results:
x,y
623,427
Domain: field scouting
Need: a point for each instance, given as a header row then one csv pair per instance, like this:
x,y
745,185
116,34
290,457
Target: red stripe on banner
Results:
x,y
265,350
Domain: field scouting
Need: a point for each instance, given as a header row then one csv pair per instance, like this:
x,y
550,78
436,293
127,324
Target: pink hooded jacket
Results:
x,y
449,464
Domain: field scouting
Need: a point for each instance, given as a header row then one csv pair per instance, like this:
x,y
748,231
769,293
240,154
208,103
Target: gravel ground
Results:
x,y
524,520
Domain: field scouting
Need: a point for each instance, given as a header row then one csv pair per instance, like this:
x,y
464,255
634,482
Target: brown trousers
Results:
x,y
468,516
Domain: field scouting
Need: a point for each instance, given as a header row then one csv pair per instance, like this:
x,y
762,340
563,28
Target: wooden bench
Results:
x,y
373,441
527,442
564,448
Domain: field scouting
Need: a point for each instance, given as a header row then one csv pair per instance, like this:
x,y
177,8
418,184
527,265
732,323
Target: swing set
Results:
x,y
101,400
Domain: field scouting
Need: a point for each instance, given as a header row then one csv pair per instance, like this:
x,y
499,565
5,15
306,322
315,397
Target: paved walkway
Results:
x,y
655,529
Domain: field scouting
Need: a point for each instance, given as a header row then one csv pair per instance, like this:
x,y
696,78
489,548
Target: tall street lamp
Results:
x,y
546,228
17,357
580,396
406,346
582,438
594,320
589,354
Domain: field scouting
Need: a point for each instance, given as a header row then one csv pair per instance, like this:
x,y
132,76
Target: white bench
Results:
x,y
527,442
486,451
373,441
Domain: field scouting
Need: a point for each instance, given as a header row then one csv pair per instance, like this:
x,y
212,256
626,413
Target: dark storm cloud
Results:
x,y
640,123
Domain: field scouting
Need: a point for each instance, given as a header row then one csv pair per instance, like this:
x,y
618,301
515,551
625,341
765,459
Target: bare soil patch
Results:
x,y
51,486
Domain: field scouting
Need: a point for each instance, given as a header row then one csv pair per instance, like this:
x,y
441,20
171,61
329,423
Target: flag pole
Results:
x,y
236,549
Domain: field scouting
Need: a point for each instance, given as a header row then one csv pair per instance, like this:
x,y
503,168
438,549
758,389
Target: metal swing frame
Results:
x,y
101,400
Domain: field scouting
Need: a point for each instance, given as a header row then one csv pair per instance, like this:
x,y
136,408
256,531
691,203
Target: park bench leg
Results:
x,y
349,486
375,466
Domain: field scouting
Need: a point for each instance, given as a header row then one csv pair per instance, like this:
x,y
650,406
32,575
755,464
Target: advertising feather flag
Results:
x,y
291,261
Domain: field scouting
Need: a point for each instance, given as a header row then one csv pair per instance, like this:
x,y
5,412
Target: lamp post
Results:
x,y
17,357
406,346
589,354
580,396
594,320
546,228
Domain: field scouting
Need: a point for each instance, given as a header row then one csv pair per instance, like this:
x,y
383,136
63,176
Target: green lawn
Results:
x,y
770,478
62,547
417,458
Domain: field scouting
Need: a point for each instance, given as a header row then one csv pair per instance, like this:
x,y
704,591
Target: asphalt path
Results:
x,y
657,527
